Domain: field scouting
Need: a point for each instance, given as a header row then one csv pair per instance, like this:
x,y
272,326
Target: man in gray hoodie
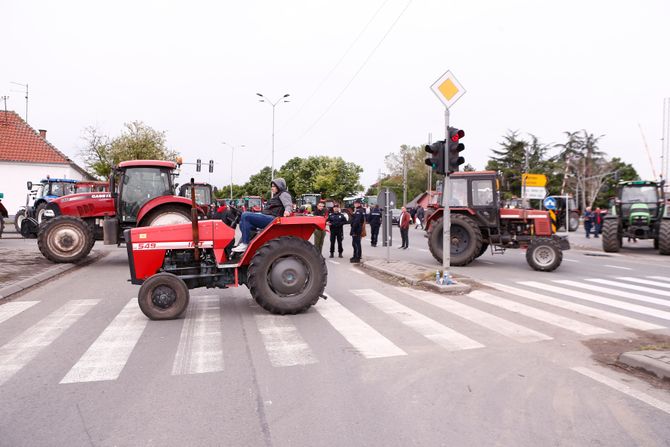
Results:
x,y
281,204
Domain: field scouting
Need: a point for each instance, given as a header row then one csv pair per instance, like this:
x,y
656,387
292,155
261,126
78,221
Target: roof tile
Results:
x,y
20,142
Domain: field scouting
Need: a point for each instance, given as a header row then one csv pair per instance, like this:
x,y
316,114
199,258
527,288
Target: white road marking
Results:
x,y
617,267
431,329
283,343
570,260
578,308
620,293
487,262
333,262
13,308
639,395
21,350
598,299
660,278
496,324
425,250
538,314
357,271
109,353
631,287
367,341
665,285
200,344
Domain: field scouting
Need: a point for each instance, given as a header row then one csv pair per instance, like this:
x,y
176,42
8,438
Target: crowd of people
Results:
x,y
593,222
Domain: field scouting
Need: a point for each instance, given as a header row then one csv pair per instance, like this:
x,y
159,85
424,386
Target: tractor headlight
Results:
x,y
49,213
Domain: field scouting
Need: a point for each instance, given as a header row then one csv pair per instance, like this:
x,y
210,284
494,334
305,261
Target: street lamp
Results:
x,y
232,154
273,104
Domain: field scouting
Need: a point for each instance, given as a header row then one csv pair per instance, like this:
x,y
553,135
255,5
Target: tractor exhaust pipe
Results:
x,y
194,223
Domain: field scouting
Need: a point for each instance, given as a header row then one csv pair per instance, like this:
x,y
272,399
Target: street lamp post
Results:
x,y
232,154
273,104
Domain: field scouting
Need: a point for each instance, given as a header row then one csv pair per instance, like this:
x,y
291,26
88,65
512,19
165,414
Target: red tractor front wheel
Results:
x,y
163,296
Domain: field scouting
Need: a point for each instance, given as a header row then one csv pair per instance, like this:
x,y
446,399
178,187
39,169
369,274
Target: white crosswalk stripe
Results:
x,y
431,329
283,343
633,323
660,278
496,324
644,289
598,299
645,281
107,356
367,341
619,293
200,347
538,314
13,308
26,346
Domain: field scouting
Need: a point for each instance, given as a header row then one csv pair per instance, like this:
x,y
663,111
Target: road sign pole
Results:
x,y
388,226
446,219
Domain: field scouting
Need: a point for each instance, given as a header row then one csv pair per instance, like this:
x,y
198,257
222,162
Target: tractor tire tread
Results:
x,y
664,237
610,236
47,228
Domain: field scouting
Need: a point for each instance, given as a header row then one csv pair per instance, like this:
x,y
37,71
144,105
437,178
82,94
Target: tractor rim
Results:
x,y
163,297
544,256
169,219
288,276
67,239
459,239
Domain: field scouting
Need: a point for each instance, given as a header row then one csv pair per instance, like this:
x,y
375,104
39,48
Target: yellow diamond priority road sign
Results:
x,y
448,89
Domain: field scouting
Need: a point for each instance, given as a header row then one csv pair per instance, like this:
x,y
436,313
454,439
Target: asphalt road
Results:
x,y
375,364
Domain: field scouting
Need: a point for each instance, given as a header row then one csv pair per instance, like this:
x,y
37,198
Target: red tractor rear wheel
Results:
x,y
287,275
466,240
163,296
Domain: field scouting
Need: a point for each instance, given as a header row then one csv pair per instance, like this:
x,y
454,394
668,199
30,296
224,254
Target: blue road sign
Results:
x,y
550,203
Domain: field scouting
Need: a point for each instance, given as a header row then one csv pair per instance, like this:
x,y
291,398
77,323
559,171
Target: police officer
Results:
x,y
357,225
375,223
336,221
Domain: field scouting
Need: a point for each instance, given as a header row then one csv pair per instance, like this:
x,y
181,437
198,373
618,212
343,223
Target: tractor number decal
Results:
x,y
170,245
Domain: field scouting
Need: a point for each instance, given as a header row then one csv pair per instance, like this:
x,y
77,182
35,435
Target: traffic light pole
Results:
x,y
446,217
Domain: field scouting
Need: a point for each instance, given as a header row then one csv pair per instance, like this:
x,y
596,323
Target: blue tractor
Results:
x,y
27,219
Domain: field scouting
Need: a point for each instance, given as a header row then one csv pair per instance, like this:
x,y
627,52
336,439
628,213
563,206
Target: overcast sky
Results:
x,y
358,72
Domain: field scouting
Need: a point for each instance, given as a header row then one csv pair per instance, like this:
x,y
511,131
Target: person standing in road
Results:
x,y
588,221
375,223
336,221
319,235
419,216
405,219
598,222
357,224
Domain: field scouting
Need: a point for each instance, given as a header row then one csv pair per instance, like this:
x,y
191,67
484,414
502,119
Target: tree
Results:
x,y
624,171
259,184
413,159
137,142
330,176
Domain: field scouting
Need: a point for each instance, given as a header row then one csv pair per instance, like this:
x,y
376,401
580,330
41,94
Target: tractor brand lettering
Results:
x,y
101,196
143,235
170,245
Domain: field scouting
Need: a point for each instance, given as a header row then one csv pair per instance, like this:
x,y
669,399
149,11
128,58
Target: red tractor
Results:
x,y
90,186
143,197
281,268
478,222
204,196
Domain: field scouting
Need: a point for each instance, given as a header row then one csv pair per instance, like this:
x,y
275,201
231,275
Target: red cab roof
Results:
x,y
148,163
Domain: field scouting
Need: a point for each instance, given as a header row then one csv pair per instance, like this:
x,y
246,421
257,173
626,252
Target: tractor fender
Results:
x,y
300,226
157,202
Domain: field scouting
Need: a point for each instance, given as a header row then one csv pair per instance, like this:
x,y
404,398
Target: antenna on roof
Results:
x,y
5,98
26,86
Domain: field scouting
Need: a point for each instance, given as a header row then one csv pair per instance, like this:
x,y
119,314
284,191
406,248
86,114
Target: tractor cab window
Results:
x,y
202,196
458,192
641,194
139,186
482,193
61,189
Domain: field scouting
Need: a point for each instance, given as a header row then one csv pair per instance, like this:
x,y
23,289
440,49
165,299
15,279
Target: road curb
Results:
x,y
56,270
655,362
419,277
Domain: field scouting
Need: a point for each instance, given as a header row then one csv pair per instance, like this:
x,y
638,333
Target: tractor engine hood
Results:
x,y
87,204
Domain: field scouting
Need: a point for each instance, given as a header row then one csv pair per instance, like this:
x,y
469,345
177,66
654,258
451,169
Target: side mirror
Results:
x,y
29,185
112,186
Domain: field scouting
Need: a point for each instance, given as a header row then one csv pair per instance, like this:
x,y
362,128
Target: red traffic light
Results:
x,y
458,135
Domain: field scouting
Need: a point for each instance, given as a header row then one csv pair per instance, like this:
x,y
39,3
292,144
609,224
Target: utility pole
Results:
x,y
26,86
4,99
404,178
430,171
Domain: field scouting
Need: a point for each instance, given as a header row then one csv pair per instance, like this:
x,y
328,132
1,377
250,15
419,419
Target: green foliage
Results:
x,y
330,176
258,184
625,172
137,142
413,158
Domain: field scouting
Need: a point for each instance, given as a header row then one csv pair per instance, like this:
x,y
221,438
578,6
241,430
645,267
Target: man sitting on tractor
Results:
x,y
281,204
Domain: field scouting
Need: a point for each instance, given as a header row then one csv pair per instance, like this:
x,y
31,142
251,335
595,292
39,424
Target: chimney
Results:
x,y
43,133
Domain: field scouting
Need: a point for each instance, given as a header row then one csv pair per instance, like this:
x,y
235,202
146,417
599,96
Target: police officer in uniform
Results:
x,y
375,223
357,224
336,221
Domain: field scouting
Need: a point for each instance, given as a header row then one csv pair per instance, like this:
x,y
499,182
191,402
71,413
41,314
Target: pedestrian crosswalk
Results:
x,y
386,322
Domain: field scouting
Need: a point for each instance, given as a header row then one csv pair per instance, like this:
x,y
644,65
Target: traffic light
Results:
x,y
198,165
455,147
436,161
211,165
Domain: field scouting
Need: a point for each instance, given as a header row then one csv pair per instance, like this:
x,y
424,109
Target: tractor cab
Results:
x,y
203,195
478,193
91,186
640,202
140,182
253,203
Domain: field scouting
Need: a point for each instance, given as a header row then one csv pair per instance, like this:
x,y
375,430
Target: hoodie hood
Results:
x,y
280,183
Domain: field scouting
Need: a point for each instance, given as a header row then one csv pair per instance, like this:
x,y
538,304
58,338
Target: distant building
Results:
x,y
26,155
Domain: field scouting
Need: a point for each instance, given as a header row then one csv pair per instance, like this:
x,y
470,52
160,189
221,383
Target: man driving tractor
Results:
x,y
281,204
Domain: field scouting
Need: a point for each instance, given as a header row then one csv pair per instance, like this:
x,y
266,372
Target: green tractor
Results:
x,y
638,211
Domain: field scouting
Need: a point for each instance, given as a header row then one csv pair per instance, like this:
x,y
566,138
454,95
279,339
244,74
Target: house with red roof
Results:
x,y
26,155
